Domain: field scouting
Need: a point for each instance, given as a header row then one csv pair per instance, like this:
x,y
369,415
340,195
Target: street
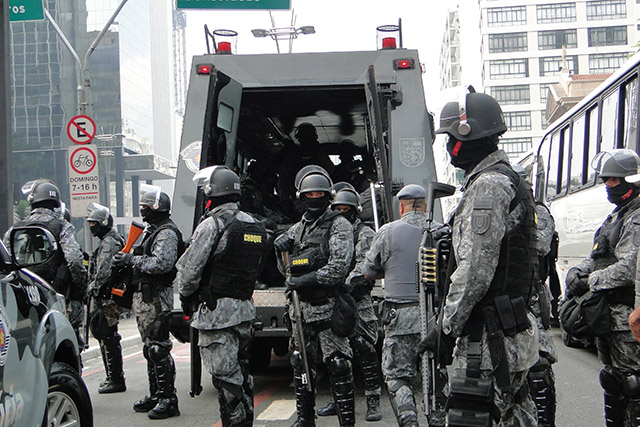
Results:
x,y
579,393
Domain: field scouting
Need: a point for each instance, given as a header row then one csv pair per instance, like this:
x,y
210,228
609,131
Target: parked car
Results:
x,y
40,364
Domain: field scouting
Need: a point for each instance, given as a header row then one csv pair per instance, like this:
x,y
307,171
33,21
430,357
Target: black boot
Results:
x,y
328,410
115,382
148,402
373,408
106,365
342,390
167,405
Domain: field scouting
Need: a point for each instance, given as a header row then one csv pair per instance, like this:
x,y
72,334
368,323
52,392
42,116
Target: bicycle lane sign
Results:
x,y
84,179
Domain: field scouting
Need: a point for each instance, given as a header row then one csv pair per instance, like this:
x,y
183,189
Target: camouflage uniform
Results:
x,y
401,317
316,315
226,331
481,221
106,313
541,377
75,286
618,350
152,305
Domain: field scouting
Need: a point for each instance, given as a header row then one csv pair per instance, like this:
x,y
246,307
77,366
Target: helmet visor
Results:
x,y
151,192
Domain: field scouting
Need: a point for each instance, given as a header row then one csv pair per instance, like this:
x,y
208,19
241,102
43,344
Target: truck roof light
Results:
x,y
204,68
389,43
403,64
224,48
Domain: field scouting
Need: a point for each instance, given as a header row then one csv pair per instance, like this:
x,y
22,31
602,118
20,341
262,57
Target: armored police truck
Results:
x,y
247,111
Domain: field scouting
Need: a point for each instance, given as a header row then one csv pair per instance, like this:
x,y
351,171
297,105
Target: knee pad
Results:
x,y
609,382
541,365
339,366
296,361
395,385
145,352
631,385
158,352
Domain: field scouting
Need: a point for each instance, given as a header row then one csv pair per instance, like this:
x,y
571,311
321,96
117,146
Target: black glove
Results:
x,y
295,283
189,304
577,283
444,354
282,244
121,260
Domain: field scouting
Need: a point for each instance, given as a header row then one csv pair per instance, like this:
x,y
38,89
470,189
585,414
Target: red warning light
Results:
x,y
403,64
224,47
389,43
204,68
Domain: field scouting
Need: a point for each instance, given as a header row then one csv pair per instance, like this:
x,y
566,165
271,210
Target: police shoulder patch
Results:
x,y
481,215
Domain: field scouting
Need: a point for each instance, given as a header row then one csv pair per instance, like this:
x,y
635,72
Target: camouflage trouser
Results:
x,y
221,350
153,322
367,325
75,314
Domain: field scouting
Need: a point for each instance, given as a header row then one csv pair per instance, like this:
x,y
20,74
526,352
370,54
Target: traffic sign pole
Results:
x,y
233,4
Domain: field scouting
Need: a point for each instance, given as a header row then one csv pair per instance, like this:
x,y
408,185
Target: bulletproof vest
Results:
x,y
165,279
49,269
311,251
517,267
607,237
232,272
93,267
400,268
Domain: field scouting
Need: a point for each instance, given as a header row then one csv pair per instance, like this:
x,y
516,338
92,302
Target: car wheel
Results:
x,y
68,401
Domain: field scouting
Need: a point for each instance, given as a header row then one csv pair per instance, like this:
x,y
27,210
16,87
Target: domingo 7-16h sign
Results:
x,y
84,180
233,4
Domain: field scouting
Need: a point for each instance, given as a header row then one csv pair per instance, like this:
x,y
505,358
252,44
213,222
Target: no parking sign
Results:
x,y
81,129
84,179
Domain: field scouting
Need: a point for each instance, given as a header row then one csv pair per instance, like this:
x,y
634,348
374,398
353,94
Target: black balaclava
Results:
x,y
622,193
213,202
152,217
314,207
351,214
98,230
466,155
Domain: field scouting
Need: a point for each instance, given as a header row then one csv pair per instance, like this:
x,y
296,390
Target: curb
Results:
x,y
94,351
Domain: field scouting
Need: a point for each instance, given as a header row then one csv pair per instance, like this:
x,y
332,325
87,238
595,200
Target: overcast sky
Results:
x,y
341,25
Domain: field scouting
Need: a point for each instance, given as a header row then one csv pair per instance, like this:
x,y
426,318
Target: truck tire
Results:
x,y
68,399
260,353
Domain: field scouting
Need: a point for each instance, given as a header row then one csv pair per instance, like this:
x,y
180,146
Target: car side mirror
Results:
x,y
31,246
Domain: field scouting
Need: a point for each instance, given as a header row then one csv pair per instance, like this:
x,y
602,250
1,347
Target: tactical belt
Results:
x,y
316,295
393,304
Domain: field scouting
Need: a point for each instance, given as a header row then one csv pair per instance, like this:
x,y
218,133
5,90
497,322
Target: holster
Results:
x,y
208,297
470,402
148,292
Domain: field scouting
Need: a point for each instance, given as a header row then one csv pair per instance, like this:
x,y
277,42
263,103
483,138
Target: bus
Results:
x,y
560,166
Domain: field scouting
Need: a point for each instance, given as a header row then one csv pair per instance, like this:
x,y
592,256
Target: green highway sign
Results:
x,y
234,4
26,10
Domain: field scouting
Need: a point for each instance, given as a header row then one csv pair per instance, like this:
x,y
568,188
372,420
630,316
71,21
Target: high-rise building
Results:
x,y
450,54
525,44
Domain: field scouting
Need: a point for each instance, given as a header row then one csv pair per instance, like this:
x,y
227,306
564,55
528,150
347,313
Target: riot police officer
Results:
x,y
66,270
611,268
393,255
153,270
321,248
105,315
494,241
542,385
363,340
216,278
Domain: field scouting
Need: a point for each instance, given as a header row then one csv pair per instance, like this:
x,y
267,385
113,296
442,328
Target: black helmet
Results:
x,y
44,191
347,196
101,216
619,163
163,204
343,185
315,182
479,117
305,129
222,182
308,170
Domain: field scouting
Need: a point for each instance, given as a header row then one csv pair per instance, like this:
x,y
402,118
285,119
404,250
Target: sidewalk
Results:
x,y
127,329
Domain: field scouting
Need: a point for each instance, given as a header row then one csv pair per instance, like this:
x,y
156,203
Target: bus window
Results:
x,y
610,121
592,143
578,151
631,113
541,179
564,161
554,166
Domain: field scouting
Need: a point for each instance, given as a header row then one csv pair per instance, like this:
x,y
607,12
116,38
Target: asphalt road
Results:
x,y
579,394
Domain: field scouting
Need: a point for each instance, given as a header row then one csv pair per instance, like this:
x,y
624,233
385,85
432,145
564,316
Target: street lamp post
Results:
x,y
283,33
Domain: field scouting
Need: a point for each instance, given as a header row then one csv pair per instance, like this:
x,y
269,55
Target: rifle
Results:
x,y
432,257
297,327
118,275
